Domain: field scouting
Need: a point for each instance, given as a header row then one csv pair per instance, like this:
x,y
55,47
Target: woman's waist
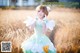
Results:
x,y
38,33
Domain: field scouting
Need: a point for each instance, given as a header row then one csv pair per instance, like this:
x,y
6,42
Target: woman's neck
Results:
x,y
41,18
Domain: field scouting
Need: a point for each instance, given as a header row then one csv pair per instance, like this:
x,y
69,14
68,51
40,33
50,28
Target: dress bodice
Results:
x,y
38,27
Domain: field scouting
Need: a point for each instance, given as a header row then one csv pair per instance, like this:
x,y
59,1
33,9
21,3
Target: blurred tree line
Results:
x,y
66,3
58,3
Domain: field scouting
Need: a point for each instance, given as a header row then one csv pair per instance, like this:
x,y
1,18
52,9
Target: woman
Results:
x,y
39,42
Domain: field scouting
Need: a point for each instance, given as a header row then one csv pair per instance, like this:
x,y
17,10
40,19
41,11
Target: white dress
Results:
x,y
38,42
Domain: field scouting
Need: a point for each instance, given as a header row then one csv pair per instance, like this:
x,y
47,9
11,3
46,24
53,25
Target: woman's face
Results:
x,y
40,14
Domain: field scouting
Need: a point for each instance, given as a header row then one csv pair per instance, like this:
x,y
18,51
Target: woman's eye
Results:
x,y
38,11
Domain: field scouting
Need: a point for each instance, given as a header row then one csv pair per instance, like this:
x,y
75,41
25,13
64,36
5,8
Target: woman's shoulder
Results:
x,y
48,20
45,20
50,24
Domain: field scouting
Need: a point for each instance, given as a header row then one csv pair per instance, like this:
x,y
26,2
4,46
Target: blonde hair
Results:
x,y
44,8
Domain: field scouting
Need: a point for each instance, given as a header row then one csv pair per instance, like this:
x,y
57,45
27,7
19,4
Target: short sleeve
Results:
x,y
29,21
50,24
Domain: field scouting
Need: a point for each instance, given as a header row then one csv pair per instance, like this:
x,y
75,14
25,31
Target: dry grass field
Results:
x,y
65,36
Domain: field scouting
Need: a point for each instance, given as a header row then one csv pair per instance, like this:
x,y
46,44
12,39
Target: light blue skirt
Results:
x,y
38,44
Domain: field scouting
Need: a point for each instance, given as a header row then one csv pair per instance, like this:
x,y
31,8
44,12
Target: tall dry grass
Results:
x,y
65,36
